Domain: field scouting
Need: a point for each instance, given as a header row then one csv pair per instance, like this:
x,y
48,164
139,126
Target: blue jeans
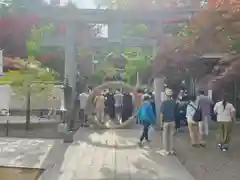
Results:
x,y
144,135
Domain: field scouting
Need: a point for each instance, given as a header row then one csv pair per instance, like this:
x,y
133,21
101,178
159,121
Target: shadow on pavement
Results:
x,y
210,163
138,175
54,160
147,165
142,171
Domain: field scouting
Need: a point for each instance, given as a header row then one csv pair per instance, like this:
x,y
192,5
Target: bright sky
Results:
x,y
88,4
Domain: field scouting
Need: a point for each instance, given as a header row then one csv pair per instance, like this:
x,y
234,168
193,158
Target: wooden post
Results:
x,y
1,62
138,82
28,107
70,79
7,128
158,88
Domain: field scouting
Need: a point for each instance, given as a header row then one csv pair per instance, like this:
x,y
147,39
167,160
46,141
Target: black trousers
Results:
x,y
177,123
144,135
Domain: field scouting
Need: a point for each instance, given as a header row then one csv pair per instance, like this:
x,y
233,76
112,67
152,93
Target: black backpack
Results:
x,y
198,114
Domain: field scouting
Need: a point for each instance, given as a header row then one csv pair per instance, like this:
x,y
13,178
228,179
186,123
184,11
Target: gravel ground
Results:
x,y
210,163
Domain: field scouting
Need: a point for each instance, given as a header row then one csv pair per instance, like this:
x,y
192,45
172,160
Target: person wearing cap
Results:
x,y
168,112
146,117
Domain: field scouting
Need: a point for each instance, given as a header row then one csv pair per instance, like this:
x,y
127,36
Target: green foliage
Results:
x,y
35,49
33,76
34,43
96,78
177,29
139,60
184,31
103,69
137,30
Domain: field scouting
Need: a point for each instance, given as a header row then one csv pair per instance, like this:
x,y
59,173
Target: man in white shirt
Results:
x,y
83,97
224,112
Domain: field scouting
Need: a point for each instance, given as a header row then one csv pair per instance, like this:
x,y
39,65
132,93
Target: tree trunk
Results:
x,y
28,107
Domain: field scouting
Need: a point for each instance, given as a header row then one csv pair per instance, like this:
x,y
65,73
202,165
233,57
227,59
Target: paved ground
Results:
x,y
43,128
112,155
22,120
24,153
210,163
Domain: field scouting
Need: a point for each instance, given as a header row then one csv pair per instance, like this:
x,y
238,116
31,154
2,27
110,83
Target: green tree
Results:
x,y
103,69
35,49
30,80
139,61
33,74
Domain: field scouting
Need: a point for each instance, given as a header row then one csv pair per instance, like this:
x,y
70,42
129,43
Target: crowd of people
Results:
x,y
197,114
193,111
115,105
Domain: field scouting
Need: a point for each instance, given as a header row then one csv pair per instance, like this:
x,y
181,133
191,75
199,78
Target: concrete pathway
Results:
x,y
24,153
112,155
22,120
210,163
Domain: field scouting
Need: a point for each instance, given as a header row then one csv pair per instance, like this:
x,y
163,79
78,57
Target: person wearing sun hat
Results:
x,y
168,114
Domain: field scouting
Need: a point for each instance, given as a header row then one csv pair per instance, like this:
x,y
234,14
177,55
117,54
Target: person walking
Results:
x,y
100,107
152,95
167,117
193,123
180,95
83,97
226,115
118,105
146,117
110,104
179,116
205,104
127,109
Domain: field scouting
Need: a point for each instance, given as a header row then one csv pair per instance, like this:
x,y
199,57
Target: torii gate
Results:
x,y
115,19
